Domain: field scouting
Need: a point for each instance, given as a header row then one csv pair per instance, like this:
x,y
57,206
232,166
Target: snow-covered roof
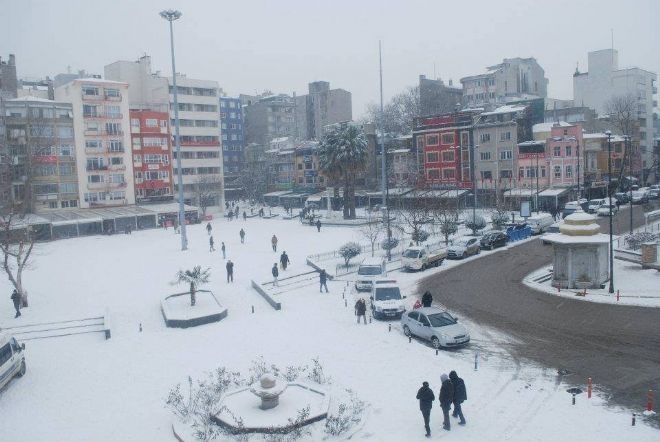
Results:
x,y
506,109
547,127
278,193
558,238
519,192
454,193
31,98
532,143
553,192
99,80
600,135
399,151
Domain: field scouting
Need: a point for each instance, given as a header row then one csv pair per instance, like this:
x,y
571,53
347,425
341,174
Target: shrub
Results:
x,y
350,250
499,219
475,224
635,241
389,244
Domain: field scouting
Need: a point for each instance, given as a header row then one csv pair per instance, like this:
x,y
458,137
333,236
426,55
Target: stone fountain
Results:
x,y
269,390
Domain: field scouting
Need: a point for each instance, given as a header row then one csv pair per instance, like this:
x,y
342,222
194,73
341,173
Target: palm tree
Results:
x,y
343,153
195,278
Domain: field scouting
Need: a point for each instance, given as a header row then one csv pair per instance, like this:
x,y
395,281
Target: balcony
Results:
x,y
97,186
117,167
96,168
103,133
90,97
113,97
102,115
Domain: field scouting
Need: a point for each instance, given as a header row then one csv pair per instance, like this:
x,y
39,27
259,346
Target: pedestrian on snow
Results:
x,y
230,271
460,396
236,212
618,204
242,234
318,225
323,279
227,205
417,305
244,215
426,398
361,310
211,248
284,260
231,215
16,299
275,273
427,299
223,250
446,398
273,242
208,228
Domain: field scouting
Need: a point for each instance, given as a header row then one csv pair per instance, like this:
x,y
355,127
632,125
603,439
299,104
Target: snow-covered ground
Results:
x,y
85,388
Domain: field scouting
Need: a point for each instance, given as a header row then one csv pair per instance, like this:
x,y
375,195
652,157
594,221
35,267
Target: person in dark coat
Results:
x,y
361,310
427,299
426,398
284,260
242,233
208,228
230,271
318,225
16,299
460,395
223,248
446,399
244,215
275,273
273,242
323,279
211,244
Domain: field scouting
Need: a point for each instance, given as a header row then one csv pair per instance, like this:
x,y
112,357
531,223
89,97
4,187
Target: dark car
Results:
x,y
494,239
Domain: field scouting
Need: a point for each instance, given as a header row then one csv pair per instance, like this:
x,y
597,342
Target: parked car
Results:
x,y
463,247
435,325
539,222
420,258
640,197
368,270
604,209
12,359
552,229
386,299
493,239
569,208
654,194
622,197
594,205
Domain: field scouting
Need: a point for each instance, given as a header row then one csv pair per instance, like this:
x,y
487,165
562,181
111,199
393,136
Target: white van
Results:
x,y
386,299
540,222
369,269
12,359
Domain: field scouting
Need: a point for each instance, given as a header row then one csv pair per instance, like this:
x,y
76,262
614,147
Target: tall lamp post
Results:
x,y
385,188
170,15
628,142
577,152
536,172
609,195
473,148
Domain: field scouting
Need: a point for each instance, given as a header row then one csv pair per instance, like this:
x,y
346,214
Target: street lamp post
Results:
x,y
628,142
170,15
577,152
385,188
474,189
536,172
609,195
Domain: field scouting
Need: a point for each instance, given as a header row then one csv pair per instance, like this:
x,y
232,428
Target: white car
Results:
x,y
604,209
594,205
386,299
369,269
463,247
435,325
12,359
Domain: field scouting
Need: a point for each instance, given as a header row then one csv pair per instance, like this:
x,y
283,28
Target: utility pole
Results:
x,y
386,212
609,196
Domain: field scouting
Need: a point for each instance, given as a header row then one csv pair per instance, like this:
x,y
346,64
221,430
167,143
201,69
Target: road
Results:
x,y
617,346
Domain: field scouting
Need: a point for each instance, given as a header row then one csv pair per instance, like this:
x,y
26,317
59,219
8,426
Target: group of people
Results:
x,y
452,392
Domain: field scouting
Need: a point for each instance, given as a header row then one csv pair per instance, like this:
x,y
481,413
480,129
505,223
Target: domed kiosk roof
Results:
x,y
580,223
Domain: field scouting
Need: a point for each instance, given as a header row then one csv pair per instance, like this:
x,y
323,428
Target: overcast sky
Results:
x,y
281,45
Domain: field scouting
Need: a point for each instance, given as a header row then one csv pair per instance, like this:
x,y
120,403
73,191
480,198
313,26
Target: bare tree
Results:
x,y
445,218
399,112
622,112
207,190
372,231
253,180
16,244
413,218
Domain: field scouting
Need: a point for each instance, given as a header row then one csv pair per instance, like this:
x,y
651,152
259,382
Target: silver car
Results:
x,y
435,325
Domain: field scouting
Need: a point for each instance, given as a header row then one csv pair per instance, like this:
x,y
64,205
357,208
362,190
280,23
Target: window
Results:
x,y
116,161
448,174
112,92
448,138
153,141
65,132
90,90
484,138
93,144
117,178
137,158
151,122
505,136
506,155
67,169
521,172
557,171
137,144
557,151
135,122
95,179
91,127
115,146
486,175
68,188
95,164
448,156
433,174
113,128
89,111
113,111
543,172
5,354
41,131
163,124
66,151
506,174
432,140
485,156
432,157
568,151
569,171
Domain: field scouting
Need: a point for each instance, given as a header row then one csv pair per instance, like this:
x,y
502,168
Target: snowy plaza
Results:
x,y
84,388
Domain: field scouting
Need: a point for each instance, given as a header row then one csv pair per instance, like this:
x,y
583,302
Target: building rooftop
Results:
x,y
31,98
547,127
506,109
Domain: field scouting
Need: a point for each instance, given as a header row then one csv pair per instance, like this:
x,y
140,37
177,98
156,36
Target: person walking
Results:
x,y
242,234
361,310
230,271
16,299
275,273
273,242
426,398
223,250
318,225
284,260
244,215
208,228
460,396
446,398
231,215
323,279
427,299
211,247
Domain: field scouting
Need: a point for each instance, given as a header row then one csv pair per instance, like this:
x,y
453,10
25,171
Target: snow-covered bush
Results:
x,y
315,373
499,218
475,223
295,430
448,227
635,241
349,250
345,416
420,235
389,244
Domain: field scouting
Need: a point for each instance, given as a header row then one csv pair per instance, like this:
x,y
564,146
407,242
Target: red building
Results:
x,y
152,155
445,141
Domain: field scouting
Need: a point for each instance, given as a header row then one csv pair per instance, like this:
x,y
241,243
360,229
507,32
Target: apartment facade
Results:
x,y
321,107
605,80
8,81
102,144
436,98
233,138
38,139
151,149
307,171
514,78
269,117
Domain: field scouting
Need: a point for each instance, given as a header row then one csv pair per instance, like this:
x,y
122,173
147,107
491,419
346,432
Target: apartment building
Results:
x,y
435,97
269,117
8,81
102,143
38,140
151,148
233,139
321,107
307,171
605,80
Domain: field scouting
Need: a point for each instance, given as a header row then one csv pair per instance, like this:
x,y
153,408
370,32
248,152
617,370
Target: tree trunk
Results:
x,y
192,294
346,196
351,207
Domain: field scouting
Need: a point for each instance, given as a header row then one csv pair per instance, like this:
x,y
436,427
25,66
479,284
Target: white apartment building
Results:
x,y
102,141
604,80
201,149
